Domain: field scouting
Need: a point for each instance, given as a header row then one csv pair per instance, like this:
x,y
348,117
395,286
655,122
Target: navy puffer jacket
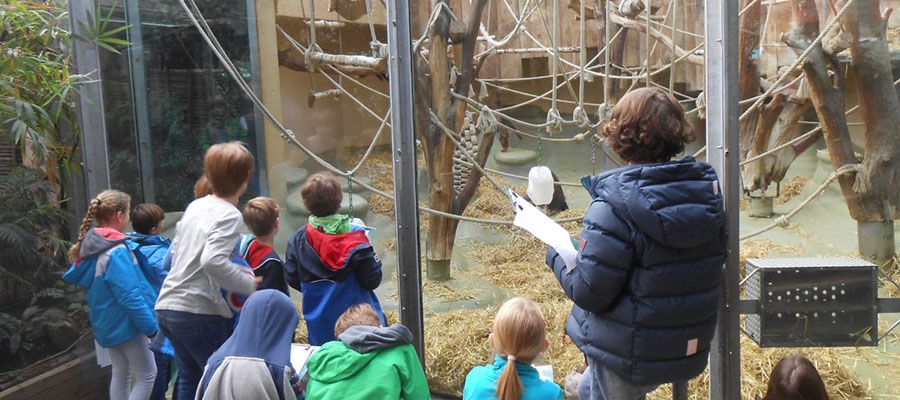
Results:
x,y
647,282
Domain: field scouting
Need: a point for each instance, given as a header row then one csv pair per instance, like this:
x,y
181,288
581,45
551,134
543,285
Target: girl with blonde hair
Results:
x,y
518,336
120,299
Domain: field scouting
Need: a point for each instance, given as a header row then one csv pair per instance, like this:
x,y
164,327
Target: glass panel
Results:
x,y
124,168
192,101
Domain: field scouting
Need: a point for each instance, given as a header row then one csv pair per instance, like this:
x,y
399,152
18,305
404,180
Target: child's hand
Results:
x,y
258,280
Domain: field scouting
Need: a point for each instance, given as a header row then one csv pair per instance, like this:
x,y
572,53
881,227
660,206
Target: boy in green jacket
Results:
x,y
367,361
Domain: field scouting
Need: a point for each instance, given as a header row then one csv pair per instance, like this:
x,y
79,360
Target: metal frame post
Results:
x,y
141,104
403,151
91,116
722,114
259,124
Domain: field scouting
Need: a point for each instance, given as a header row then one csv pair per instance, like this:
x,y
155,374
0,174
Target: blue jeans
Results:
x,y
163,375
195,337
599,383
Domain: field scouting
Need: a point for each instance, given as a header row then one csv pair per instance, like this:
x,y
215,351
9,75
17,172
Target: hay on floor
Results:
x,y
790,189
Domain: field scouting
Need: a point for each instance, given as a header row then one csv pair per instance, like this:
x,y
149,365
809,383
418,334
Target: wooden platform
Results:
x,y
79,379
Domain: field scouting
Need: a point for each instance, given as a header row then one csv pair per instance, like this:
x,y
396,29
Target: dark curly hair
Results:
x,y
647,126
321,194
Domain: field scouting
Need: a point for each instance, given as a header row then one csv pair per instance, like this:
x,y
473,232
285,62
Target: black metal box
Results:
x,y
813,302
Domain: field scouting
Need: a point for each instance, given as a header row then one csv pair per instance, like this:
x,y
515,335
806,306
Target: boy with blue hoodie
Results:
x,y
647,278
152,250
330,260
120,299
254,363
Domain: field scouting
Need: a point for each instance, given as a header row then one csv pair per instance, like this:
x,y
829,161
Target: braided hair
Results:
x,y
103,207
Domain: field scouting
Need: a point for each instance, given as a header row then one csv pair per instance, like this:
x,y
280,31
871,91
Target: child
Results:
x,y
254,363
261,216
518,336
192,313
120,299
647,278
368,362
151,250
328,260
795,378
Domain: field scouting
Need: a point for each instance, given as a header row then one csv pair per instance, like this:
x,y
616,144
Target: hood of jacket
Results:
x,y
265,330
677,203
326,255
148,240
95,242
365,339
351,362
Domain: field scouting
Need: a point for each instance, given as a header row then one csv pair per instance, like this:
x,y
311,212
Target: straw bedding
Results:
x,y
457,340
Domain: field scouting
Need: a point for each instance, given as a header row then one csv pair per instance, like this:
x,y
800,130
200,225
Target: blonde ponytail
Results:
x,y
101,209
85,226
519,332
509,386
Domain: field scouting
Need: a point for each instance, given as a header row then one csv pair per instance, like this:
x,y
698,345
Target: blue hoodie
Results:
x,y
120,300
254,363
151,252
646,284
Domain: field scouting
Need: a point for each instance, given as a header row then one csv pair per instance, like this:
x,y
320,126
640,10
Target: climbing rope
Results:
x,y
209,37
860,185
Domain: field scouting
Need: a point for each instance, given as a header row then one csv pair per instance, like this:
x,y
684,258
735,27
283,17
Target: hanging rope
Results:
x,y
556,59
583,58
860,183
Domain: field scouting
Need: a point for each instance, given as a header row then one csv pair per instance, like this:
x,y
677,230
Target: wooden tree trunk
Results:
x,y
880,111
826,93
748,71
784,129
438,148
825,90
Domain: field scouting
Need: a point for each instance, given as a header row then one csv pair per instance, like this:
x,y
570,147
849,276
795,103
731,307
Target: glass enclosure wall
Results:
x,y
168,99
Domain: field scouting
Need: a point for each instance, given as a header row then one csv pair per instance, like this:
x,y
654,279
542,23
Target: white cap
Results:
x,y
540,185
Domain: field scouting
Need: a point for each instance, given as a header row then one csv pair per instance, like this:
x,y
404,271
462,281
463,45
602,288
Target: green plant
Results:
x,y
30,225
96,30
35,84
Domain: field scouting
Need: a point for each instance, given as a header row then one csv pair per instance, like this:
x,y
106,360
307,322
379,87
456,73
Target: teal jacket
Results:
x,y
481,383
367,363
120,300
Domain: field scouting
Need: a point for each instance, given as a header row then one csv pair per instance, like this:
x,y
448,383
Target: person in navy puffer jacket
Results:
x,y
646,284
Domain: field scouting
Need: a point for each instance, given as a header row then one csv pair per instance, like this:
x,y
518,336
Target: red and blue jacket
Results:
x,y
334,272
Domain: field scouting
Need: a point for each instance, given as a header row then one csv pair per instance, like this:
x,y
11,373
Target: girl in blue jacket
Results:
x,y
120,299
518,336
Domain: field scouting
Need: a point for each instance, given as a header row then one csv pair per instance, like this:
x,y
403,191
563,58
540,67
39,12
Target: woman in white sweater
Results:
x,y
191,310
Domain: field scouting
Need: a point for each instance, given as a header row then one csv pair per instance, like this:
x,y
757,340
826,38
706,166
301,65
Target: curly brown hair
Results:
x,y
647,126
321,194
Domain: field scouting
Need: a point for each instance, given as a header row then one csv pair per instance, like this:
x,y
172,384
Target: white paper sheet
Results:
x,y
102,353
529,218
300,354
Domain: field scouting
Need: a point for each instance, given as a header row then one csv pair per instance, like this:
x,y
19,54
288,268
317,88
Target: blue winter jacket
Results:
x,y
152,253
647,279
481,382
120,300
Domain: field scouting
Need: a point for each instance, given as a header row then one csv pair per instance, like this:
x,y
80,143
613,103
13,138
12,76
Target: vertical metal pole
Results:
x,y
680,390
141,103
403,150
256,83
91,118
722,152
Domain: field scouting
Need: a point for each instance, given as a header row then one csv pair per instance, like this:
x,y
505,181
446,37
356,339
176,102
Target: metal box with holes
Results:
x,y
812,302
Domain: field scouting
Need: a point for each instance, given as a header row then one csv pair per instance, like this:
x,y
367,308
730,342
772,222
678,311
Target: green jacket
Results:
x,y
367,363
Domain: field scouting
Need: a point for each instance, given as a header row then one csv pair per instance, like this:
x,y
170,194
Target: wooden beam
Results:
x,y
376,64
659,36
